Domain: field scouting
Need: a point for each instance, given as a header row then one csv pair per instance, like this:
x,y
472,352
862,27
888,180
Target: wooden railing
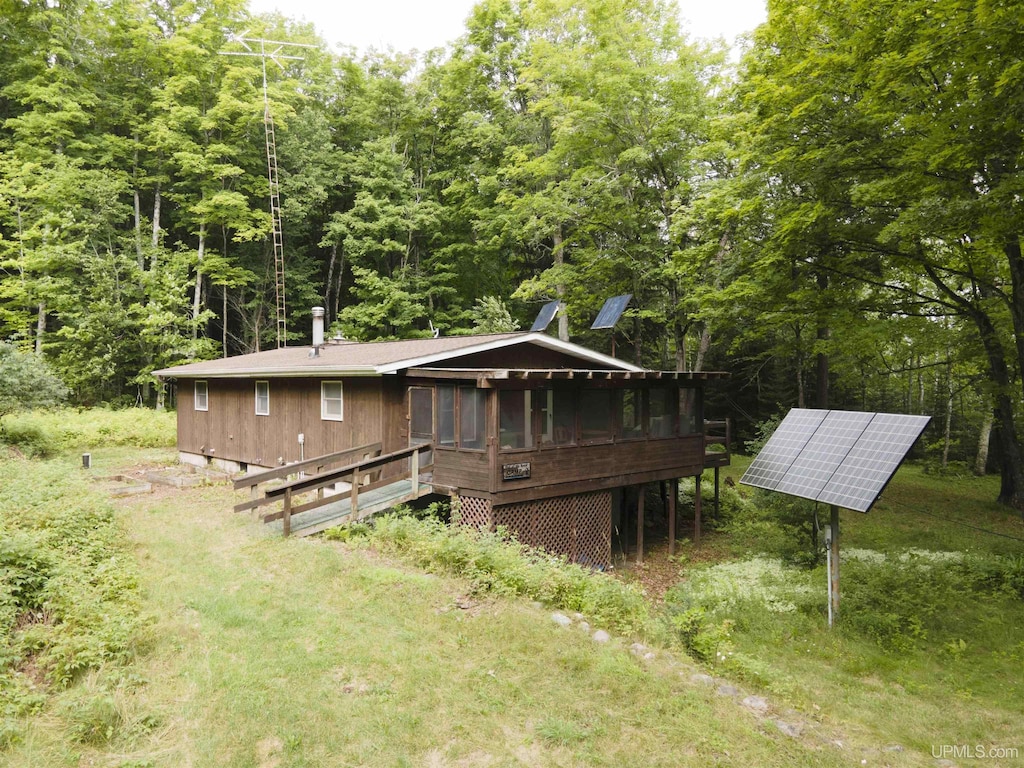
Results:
x,y
317,464
355,474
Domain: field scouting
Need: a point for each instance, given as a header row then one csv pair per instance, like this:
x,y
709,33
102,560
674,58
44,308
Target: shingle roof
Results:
x,y
378,357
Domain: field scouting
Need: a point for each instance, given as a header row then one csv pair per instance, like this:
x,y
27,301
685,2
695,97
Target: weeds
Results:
x,y
68,589
496,563
42,434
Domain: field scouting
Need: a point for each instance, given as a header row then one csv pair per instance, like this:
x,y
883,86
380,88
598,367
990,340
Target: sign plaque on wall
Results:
x,y
519,471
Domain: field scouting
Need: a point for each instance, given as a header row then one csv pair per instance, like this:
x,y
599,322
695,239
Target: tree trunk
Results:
x,y
197,298
559,257
703,346
329,285
822,359
801,394
949,414
1011,466
1015,259
224,319
138,232
156,218
821,400
981,459
40,326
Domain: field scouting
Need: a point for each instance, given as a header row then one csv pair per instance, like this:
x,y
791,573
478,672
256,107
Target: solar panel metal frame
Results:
x,y
545,316
846,458
611,312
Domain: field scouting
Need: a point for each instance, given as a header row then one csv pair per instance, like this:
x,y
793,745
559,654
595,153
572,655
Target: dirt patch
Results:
x,y
268,752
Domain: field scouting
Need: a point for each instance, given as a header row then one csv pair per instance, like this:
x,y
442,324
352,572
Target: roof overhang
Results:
x,y
498,375
540,339
263,371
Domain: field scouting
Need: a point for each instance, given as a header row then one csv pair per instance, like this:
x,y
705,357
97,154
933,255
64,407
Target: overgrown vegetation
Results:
x,y
69,601
497,563
46,433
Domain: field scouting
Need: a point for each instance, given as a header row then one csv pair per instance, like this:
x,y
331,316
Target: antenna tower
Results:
x,y
275,54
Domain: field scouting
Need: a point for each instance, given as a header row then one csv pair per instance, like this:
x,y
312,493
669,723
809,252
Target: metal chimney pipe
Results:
x,y
318,327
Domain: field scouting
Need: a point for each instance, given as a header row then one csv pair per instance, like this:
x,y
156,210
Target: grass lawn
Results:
x,y
271,652
267,652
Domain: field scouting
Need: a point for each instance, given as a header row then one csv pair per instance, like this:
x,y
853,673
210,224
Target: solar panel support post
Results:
x,y
832,542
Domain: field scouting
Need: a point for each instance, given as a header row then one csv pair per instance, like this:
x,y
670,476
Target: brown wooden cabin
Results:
x,y
529,432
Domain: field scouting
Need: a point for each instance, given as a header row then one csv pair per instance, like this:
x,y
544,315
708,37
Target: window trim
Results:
x,y
206,395
324,416
257,397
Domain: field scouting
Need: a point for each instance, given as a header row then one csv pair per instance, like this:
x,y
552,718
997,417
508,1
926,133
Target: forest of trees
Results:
x,y
835,219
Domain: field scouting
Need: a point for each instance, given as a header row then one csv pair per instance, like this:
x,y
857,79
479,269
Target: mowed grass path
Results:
x,y
272,652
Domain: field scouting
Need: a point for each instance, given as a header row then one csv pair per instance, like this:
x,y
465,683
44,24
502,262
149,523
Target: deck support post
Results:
x,y
415,459
673,493
354,495
640,526
696,510
286,520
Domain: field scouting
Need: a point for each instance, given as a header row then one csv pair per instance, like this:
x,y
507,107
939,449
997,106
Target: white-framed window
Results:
x,y
331,401
202,396
262,398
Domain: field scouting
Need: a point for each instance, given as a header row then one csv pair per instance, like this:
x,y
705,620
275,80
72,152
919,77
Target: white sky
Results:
x,y
426,24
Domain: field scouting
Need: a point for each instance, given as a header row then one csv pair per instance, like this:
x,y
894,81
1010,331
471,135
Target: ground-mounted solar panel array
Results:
x,y
844,458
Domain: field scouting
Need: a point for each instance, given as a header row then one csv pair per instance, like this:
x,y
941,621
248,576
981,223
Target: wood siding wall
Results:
x,y
230,428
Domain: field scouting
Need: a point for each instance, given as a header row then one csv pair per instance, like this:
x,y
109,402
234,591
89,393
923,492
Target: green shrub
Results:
x,y
702,638
28,438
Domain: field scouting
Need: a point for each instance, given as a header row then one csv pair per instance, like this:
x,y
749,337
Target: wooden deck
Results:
x,y
339,512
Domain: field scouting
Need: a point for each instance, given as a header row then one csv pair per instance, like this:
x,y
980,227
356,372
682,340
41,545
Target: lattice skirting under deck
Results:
x,y
579,526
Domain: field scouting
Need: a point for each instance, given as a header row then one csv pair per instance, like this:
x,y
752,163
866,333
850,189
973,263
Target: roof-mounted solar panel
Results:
x,y
844,458
545,316
611,312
